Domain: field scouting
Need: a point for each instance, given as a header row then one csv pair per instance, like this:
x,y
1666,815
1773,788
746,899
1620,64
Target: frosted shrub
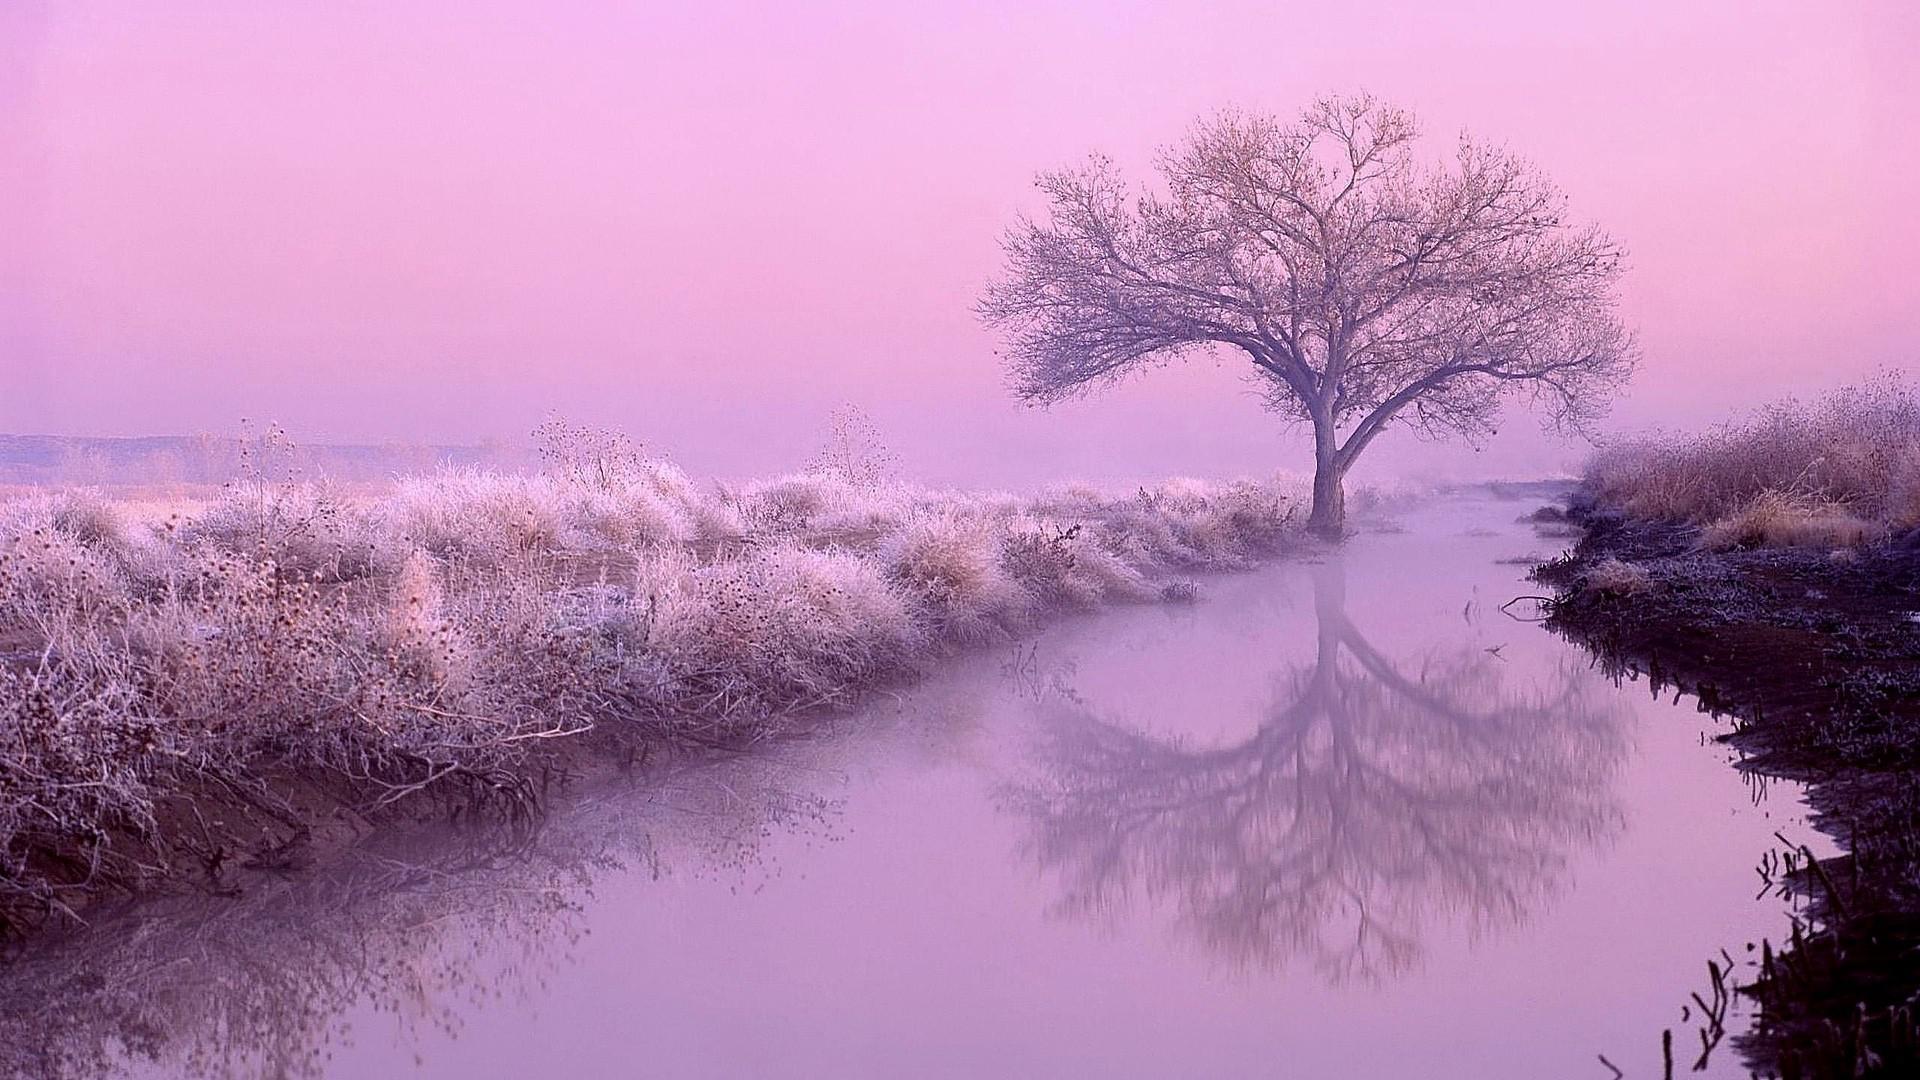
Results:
x,y
1144,535
57,590
392,696
586,456
666,480
1099,575
650,503
1212,537
302,528
839,603
79,755
1040,557
632,518
716,522
788,503
482,514
829,507
853,451
84,514
1183,493
1072,501
1259,516
79,516
951,567
823,502
785,626
417,631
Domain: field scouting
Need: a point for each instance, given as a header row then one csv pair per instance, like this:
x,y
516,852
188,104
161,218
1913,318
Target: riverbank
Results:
x,y
1816,652
1110,816
1815,655
193,694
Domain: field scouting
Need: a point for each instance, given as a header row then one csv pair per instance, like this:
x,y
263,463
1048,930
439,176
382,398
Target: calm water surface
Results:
x,y
1342,817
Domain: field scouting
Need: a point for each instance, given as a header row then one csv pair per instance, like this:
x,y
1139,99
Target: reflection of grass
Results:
x,y
427,931
262,657
1838,997
1821,674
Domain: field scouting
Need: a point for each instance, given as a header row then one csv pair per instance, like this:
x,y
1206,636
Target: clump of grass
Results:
x,y
305,528
1179,592
438,640
1617,577
1786,519
56,589
785,627
948,565
1841,471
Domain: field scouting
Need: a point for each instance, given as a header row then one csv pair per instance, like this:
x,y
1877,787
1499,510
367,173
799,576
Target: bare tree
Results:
x,y
1366,287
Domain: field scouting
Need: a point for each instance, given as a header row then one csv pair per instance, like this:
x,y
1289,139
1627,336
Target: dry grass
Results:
x,y
1838,472
1618,578
1790,519
433,640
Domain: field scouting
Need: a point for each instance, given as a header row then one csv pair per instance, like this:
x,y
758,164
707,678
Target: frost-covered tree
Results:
x,y
1367,286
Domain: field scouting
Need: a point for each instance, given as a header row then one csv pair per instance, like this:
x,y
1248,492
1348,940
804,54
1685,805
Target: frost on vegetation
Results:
x,y
1838,472
433,636
1782,519
1618,578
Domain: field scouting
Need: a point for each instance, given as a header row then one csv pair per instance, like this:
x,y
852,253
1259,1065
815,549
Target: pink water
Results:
x,y
1342,817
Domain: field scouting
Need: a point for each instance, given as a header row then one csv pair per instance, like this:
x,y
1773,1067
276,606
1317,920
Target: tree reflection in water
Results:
x,y
1374,797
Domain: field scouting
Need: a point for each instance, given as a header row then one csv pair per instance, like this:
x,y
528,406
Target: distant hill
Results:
x,y
207,459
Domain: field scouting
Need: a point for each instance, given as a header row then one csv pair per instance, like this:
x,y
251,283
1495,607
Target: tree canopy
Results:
x,y
1366,286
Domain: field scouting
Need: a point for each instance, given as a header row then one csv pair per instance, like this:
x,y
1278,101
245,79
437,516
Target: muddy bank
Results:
x,y
1815,658
1816,655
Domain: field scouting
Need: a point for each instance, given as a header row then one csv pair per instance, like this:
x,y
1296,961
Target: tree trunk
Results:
x,y
1329,516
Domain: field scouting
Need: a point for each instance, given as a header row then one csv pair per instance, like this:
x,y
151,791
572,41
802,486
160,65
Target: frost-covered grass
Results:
x,y
1620,578
1838,472
447,636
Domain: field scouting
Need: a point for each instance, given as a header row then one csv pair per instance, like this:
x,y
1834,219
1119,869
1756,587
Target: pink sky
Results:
x,y
709,223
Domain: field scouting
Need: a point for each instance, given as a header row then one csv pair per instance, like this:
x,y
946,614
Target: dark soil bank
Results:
x,y
1816,658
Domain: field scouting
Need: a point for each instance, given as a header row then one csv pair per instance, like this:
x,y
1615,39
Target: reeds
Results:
x,y
1838,472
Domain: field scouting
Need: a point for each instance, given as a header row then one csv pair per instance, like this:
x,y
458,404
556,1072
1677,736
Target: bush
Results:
x,y
484,515
949,565
301,528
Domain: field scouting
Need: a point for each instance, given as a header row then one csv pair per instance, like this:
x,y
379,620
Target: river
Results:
x,y
1342,816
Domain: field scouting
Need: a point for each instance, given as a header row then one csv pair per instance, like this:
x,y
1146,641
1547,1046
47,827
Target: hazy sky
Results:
x,y
708,223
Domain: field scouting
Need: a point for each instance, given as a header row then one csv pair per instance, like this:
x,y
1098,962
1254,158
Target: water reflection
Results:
x,y
1378,793
419,932
1375,795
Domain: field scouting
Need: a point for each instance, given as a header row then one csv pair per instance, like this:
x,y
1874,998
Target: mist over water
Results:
x,y
1166,841
894,800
